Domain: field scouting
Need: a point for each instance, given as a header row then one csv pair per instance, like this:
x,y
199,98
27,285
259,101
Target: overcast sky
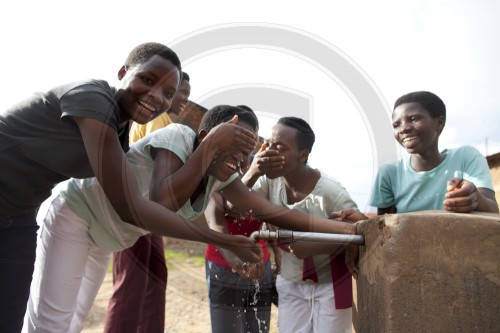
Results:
x,y
446,47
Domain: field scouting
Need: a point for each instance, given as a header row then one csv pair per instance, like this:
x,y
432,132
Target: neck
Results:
x,y
426,162
300,180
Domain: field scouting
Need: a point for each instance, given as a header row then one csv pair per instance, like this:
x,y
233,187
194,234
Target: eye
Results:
x,y
396,125
168,96
147,80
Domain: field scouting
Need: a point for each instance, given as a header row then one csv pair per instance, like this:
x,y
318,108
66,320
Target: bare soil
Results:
x,y
186,306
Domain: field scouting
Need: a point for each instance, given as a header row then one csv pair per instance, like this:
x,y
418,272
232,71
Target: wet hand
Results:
x,y
247,249
462,196
248,271
267,160
230,137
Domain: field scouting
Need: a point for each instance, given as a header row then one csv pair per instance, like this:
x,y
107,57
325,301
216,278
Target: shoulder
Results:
x,y
464,152
329,180
84,86
391,168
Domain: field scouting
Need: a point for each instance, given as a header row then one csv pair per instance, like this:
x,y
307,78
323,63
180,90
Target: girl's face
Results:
x,y
415,129
284,140
226,164
147,89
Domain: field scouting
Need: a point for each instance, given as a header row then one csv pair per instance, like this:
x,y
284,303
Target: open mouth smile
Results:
x,y
148,107
408,139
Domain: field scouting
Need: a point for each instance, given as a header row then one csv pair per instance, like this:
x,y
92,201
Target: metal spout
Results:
x,y
291,236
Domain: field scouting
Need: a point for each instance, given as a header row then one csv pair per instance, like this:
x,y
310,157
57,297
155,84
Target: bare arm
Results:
x,y
173,182
239,195
111,169
464,197
216,219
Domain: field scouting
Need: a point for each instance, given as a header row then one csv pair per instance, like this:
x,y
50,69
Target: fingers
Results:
x,y
461,205
453,183
234,120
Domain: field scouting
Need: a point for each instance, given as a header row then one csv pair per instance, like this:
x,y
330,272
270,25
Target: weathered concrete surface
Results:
x,y
429,271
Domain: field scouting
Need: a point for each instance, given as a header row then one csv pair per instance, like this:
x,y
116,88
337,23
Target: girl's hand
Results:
x,y
230,137
266,160
462,196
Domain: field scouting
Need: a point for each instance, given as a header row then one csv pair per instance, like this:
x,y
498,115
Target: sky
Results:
x,y
448,47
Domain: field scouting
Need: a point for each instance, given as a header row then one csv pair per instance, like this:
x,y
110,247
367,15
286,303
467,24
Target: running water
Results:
x,y
254,304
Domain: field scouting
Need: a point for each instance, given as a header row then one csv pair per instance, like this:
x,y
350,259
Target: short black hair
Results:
x,y
305,134
245,107
223,113
429,101
143,52
185,76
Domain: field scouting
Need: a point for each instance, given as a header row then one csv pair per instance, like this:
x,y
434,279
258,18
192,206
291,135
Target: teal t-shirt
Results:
x,y
400,185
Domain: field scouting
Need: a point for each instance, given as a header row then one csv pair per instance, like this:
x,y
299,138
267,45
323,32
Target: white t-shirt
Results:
x,y
327,196
87,199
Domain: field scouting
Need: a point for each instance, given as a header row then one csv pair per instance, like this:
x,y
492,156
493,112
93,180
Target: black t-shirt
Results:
x,y
40,144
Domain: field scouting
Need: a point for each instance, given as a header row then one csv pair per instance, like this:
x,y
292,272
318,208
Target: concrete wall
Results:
x,y
429,271
494,164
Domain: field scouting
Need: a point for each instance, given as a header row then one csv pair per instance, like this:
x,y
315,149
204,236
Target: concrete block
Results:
x,y
430,271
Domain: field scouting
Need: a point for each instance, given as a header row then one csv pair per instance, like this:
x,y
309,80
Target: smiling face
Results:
x,y
147,90
181,98
415,129
226,164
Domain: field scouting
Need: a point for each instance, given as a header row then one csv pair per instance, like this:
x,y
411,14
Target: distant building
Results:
x,y
494,164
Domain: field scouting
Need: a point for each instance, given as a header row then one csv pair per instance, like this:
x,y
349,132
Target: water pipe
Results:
x,y
291,236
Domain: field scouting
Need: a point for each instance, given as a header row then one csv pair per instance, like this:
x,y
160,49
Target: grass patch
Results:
x,y
175,258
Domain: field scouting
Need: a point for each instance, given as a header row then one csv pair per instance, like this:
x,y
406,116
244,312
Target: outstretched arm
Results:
x,y
111,168
464,197
216,220
240,196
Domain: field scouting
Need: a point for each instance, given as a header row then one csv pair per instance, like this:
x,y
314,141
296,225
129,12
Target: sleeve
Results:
x,y
382,191
91,100
336,197
475,168
177,138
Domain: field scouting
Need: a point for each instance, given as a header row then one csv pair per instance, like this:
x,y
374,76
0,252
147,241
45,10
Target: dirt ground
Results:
x,y
186,306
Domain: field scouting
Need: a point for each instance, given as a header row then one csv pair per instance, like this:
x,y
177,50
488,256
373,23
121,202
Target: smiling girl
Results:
x,y
457,180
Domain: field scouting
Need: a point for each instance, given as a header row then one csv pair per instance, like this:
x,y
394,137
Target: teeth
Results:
x,y
231,165
147,106
410,138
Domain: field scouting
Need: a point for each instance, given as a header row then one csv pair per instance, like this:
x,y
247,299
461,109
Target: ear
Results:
x,y
201,135
441,121
304,156
122,72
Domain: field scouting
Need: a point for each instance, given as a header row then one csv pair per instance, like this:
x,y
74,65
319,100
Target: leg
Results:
x,y
326,317
94,274
17,257
62,255
153,309
226,299
295,310
130,278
